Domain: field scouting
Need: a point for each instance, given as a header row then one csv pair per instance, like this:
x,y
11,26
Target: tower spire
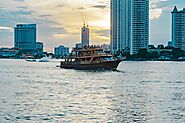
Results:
x,y
175,10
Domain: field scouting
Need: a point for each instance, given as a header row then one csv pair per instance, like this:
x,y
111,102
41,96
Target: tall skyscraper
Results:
x,y
85,35
178,28
25,36
129,25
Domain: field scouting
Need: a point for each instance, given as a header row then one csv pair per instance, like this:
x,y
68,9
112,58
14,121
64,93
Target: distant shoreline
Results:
x,y
122,61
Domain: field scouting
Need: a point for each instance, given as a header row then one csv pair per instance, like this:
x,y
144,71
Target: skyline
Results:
x,y
56,27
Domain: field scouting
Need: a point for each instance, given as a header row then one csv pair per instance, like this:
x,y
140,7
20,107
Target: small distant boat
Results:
x,y
90,58
44,59
31,60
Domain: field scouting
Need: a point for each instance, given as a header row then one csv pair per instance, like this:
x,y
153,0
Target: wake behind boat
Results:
x,y
90,58
44,59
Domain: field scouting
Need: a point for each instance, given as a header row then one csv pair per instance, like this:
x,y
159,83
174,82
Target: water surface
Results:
x,y
142,92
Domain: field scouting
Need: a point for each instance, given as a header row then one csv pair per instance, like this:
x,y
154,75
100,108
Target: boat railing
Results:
x,y
84,62
97,61
97,54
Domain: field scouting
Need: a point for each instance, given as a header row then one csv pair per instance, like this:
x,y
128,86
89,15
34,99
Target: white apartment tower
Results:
x,y
129,25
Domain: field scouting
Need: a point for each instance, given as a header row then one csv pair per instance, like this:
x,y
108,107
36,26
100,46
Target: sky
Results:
x,y
59,22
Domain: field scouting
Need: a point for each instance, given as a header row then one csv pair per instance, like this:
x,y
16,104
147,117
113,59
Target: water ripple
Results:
x,y
139,92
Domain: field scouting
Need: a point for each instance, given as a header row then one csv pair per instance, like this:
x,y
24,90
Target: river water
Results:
x,y
140,92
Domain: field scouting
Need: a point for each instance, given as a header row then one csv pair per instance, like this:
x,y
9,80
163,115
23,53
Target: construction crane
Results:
x,y
84,17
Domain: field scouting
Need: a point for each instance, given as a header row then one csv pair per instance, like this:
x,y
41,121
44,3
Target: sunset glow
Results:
x,y
60,21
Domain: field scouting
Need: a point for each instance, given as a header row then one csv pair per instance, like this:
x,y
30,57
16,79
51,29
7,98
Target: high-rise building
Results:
x,y
61,51
129,25
40,47
85,35
178,28
25,36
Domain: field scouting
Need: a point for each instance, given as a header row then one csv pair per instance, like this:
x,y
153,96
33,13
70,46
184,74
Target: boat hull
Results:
x,y
108,65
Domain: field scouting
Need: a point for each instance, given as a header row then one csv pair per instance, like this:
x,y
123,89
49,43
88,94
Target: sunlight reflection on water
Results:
x,y
137,92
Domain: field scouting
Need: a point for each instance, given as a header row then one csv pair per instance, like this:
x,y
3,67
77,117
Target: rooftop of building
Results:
x,y
40,43
9,49
175,10
61,46
25,26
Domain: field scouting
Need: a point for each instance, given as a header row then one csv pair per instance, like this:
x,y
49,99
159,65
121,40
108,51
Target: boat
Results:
x,y
31,60
90,58
44,59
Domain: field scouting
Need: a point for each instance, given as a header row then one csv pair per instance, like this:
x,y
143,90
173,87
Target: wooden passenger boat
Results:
x,y
90,58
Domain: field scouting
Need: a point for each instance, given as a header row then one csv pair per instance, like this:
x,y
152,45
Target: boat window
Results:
x,y
107,58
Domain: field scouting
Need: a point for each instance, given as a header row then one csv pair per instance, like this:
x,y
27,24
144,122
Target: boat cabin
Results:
x,y
88,55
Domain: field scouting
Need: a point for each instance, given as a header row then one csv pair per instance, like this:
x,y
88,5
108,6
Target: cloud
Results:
x,y
22,7
47,15
23,12
104,33
5,28
100,6
168,4
20,0
81,8
60,5
155,13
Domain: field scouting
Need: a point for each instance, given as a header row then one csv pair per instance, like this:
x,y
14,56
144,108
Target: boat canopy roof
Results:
x,y
87,50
